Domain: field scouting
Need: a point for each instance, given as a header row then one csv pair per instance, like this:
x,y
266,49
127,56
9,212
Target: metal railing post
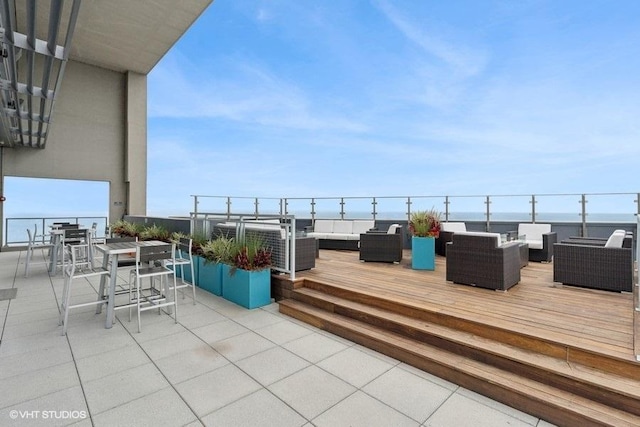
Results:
x,y
533,208
228,207
194,220
446,208
341,207
374,203
583,214
313,211
256,209
292,233
488,213
408,209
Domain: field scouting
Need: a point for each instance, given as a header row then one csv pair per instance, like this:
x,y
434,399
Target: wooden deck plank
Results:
x,y
603,320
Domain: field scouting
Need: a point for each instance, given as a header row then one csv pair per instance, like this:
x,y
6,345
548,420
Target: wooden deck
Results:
x,y
536,322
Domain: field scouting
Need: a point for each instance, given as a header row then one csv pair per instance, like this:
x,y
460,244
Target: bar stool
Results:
x,y
78,267
150,263
183,259
33,245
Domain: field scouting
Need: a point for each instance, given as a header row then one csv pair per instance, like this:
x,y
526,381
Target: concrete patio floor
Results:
x,y
220,365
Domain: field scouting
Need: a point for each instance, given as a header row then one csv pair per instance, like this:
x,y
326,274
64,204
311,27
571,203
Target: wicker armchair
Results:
x,y
478,259
446,233
381,246
595,267
540,239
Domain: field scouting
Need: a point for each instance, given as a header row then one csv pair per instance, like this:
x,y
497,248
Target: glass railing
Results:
x,y
15,229
570,208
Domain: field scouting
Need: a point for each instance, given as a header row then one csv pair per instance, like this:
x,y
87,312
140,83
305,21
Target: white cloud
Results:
x,y
242,91
463,60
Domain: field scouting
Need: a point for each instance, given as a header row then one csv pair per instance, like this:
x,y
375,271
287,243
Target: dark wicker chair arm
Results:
x,y
441,242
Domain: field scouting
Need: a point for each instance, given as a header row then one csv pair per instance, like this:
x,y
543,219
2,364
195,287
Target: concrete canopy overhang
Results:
x,y
38,38
126,35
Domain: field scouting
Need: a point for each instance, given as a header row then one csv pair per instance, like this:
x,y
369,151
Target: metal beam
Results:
x,y
24,104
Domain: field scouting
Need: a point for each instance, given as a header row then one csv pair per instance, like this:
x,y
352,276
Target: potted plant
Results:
x,y
125,228
155,232
214,254
424,227
246,280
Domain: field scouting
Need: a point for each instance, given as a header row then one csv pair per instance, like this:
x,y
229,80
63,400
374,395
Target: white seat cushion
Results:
x,y
362,226
616,239
344,236
343,227
392,228
482,233
533,234
319,235
453,226
323,226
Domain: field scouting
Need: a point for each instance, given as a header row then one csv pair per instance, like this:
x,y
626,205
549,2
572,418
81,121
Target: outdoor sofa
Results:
x,y
340,233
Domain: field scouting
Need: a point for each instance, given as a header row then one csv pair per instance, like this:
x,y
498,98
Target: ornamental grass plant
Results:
x,y
425,223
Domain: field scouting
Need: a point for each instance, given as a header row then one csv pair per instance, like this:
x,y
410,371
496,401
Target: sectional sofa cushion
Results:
x,y
453,226
533,234
616,239
496,236
337,229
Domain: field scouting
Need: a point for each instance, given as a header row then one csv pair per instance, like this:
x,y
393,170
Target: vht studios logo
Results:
x,y
47,415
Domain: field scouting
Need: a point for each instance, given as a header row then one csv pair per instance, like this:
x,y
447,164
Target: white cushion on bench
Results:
x,y
362,226
323,226
342,227
482,233
453,226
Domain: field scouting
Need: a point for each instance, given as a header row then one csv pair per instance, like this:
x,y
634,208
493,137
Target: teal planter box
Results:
x,y
210,276
423,253
250,289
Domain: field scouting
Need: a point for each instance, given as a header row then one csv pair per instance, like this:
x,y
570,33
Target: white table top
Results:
x,y
126,247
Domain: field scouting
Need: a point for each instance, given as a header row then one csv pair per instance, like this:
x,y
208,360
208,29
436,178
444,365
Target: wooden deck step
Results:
x,y
547,343
607,388
535,397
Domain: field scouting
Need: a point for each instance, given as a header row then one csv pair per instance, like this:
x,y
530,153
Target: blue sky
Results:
x,y
285,98
363,98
